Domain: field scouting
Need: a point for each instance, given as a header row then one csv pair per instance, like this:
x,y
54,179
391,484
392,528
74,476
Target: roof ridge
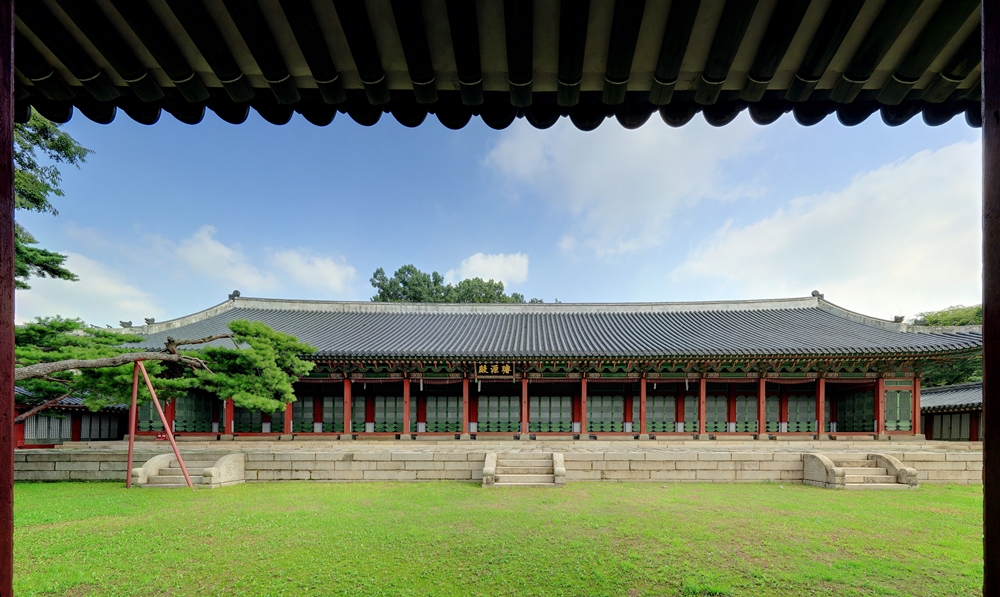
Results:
x,y
957,386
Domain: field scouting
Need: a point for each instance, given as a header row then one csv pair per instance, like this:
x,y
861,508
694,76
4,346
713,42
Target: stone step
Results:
x,y
170,479
170,485
869,479
525,456
502,462
524,470
524,479
525,485
854,463
193,464
864,470
176,470
890,486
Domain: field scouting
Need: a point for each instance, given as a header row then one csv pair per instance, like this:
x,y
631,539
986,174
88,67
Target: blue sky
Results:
x,y
166,220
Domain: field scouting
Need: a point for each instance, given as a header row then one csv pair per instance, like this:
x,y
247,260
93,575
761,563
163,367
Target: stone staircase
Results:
x,y
867,474
524,469
874,471
165,472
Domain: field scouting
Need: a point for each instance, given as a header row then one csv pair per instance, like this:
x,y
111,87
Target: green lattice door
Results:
x,y
691,414
801,413
550,414
605,414
856,412
388,414
827,409
746,413
149,419
193,414
772,410
499,414
898,410
247,421
716,413
444,414
358,414
661,414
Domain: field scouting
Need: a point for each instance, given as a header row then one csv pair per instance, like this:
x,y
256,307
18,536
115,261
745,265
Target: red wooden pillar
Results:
x,y
880,406
317,412
524,405
783,406
287,420
915,415
702,395
583,405
230,416
19,435
762,404
465,405
7,299
406,406
642,406
347,406
991,293
171,414
820,405
75,427
731,405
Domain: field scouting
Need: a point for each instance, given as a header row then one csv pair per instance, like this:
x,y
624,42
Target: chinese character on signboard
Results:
x,y
482,369
494,369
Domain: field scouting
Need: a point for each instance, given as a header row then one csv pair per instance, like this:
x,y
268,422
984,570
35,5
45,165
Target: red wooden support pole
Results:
x,y
702,398
465,405
991,294
524,405
915,414
583,405
286,421
820,405
133,423
406,407
880,406
642,406
230,417
761,405
166,424
348,407
7,299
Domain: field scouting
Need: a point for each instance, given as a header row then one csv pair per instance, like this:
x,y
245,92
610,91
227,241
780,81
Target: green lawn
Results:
x,y
459,539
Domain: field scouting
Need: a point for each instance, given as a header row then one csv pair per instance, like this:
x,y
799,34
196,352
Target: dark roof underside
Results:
x,y
500,60
947,398
568,331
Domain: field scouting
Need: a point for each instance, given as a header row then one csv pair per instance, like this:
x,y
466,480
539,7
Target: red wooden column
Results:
x,y
915,415
991,294
7,299
286,421
762,405
702,395
348,406
524,405
465,405
820,405
75,426
583,405
230,417
642,406
406,407
880,406
171,414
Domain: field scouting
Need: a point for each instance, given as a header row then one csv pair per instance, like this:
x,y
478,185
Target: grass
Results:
x,y
440,539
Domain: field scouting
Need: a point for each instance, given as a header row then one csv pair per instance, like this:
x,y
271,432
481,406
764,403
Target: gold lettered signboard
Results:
x,y
494,369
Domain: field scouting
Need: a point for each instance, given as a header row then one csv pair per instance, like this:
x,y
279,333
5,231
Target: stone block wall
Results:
x,y
694,467
365,466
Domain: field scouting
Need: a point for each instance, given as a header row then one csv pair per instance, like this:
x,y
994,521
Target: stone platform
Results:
x,y
601,460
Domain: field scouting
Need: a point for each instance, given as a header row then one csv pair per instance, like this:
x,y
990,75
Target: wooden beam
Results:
x,y
642,406
702,393
230,417
991,294
761,406
286,421
915,411
820,405
348,407
406,407
7,299
880,406
465,405
524,405
583,405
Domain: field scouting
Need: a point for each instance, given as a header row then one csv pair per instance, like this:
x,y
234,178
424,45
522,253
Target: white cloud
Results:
x,y
901,239
101,296
205,255
621,185
510,269
313,271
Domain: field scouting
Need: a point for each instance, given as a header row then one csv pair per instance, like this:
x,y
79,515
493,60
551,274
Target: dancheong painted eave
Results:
x,y
806,327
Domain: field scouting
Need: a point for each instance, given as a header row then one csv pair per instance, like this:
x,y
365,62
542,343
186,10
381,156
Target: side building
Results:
x,y
800,366
953,412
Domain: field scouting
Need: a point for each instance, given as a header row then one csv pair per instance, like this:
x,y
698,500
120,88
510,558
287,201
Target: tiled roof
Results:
x,y
958,397
72,402
804,326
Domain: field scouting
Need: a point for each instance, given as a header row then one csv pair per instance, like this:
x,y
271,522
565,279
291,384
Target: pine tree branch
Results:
x,y
43,369
24,416
171,344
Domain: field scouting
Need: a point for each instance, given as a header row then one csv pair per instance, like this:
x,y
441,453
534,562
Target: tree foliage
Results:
x,y
961,370
35,184
411,285
257,372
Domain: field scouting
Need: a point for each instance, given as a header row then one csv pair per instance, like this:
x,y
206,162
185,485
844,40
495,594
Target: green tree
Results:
x,y
35,184
411,285
59,357
955,371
